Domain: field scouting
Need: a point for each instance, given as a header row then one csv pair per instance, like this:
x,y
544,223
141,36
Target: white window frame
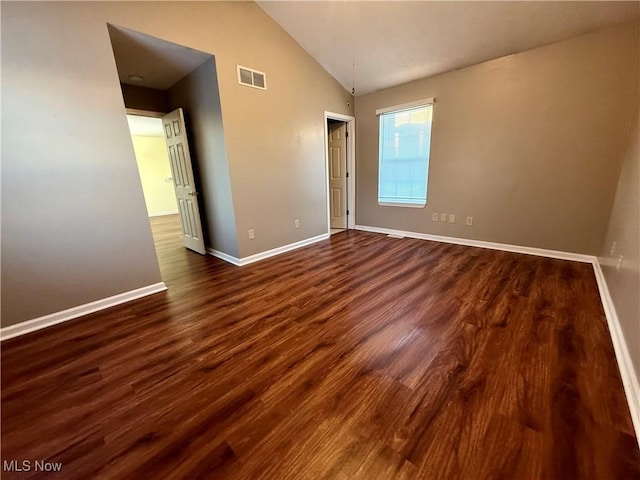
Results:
x,y
397,109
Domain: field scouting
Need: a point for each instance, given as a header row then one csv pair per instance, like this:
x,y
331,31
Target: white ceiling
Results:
x,y
394,42
160,63
145,126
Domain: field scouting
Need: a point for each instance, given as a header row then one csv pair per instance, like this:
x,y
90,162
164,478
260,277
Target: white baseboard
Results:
x,y
505,247
269,253
629,376
162,214
75,312
224,256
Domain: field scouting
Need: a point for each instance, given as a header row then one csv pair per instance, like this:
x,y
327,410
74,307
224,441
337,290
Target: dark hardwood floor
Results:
x,y
361,356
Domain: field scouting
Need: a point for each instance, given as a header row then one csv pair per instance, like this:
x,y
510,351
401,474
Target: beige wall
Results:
x,y
530,144
275,138
624,230
198,95
65,140
153,165
79,232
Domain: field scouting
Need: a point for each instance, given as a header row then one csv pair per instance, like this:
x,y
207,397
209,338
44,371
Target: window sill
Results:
x,y
409,205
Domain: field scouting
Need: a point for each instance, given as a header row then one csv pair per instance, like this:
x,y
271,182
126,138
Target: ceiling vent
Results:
x,y
252,78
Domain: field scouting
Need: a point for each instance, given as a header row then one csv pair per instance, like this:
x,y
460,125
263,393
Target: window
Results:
x,y
405,139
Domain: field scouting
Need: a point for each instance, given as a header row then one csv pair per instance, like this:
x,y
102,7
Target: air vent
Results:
x,y
252,78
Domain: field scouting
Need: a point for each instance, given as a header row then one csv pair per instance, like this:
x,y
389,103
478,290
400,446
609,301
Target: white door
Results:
x,y
338,175
175,136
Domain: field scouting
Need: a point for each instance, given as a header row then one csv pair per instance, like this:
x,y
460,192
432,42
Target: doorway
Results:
x,y
153,165
340,171
167,175
156,177
160,81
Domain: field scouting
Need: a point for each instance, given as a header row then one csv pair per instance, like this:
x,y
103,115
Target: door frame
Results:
x,y
149,114
144,113
351,166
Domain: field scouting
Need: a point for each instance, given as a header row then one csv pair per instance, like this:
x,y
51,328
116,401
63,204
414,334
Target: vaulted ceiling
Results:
x,y
380,44
393,42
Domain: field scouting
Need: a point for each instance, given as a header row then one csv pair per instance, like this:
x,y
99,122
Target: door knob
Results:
x,y
193,194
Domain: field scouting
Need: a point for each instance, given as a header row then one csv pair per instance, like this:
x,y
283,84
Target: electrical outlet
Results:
x,y
469,221
296,223
434,217
443,217
619,265
252,234
452,218
612,252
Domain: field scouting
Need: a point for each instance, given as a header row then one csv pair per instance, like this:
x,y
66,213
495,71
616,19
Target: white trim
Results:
x,y
630,379
224,256
402,204
540,252
406,106
285,248
239,262
162,214
75,312
144,113
351,166
338,116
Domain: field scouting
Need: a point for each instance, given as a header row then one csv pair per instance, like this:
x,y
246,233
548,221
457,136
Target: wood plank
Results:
x,y
361,356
